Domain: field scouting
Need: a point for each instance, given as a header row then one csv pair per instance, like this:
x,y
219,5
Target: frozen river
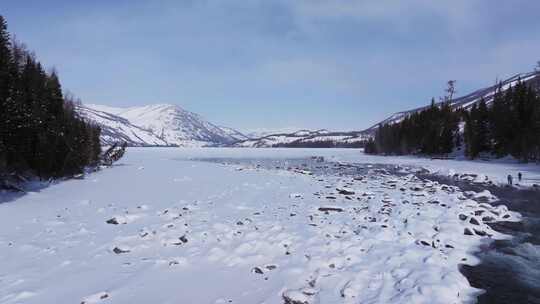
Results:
x,y
251,226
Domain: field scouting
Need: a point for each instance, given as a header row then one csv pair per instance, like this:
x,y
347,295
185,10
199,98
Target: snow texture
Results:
x,y
188,231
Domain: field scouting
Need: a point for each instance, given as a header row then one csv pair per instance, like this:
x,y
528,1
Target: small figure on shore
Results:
x,y
519,176
510,182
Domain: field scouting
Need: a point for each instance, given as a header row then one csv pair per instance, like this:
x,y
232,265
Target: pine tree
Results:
x,y
6,62
449,127
6,90
482,128
536,127
468,133
500,122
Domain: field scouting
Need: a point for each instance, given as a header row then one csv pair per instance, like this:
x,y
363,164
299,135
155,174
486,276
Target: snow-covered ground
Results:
x,y
161,227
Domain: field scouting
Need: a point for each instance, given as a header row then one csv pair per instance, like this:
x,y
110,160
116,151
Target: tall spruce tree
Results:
x,y
482,128
7,78
468,133
536,128
500,122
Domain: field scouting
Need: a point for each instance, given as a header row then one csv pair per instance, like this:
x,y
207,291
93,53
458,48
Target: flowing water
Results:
x,y
509,271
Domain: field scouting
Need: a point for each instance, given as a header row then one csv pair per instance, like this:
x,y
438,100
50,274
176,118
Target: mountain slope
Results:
x,y
115,129
177,126
157,125
467,101
235,134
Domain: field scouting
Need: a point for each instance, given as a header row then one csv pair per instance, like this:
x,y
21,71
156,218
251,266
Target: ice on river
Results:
x,y
162,228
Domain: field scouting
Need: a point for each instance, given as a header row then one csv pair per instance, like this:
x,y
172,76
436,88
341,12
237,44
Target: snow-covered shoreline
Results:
x,y
199,232
495,171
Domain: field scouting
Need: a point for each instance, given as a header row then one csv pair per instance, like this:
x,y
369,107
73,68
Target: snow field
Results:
x,y
159,228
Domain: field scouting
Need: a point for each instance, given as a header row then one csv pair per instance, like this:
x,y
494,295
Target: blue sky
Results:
x,y
263,64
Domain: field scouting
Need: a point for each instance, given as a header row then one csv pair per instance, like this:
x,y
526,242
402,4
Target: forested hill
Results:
x,y
40,132
467,101
504,123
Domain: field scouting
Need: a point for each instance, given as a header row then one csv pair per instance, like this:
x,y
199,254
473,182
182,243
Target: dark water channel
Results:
x,y
510,269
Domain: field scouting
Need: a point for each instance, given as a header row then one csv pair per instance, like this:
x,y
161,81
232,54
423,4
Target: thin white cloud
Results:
x,y
309,72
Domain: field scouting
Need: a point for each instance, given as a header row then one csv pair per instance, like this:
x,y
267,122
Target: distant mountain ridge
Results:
x,y
157,125
306,138
262,132
170,125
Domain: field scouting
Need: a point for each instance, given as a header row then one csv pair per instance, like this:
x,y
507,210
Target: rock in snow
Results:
x,y
327,209
304,296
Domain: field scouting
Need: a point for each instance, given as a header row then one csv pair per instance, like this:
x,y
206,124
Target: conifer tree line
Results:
x,y
40,132
508,126
432,131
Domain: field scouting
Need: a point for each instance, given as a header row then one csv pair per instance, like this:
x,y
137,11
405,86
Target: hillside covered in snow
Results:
x,y
467,101
157,125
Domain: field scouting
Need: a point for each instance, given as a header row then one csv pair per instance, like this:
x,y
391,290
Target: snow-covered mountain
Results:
x,y
157,125
116,129
306,138
467,101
